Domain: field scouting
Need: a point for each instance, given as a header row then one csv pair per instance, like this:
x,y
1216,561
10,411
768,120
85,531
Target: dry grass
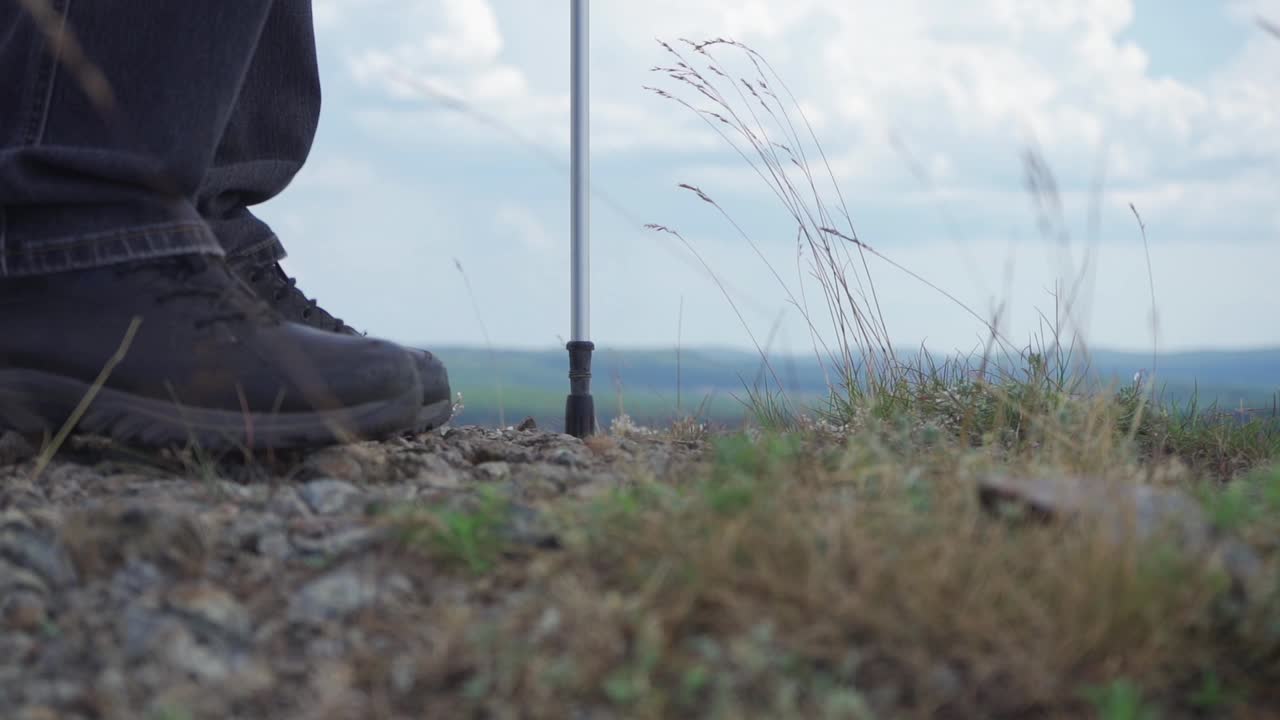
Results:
x,y
798,575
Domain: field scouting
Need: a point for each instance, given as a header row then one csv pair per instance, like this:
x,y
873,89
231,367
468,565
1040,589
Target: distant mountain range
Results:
x,y
509,385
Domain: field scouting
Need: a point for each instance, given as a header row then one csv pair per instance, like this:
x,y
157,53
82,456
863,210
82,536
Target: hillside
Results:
x,y
643,383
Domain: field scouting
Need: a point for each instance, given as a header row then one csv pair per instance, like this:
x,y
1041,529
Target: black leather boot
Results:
x,y
210,363
276,288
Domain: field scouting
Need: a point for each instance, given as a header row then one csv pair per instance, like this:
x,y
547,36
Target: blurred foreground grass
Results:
x,y
862,566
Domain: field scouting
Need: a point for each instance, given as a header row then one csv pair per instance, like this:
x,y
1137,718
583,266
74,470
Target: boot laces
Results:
x,y
280,287
199,278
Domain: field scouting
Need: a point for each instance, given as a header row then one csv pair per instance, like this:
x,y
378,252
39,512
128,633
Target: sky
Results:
x,y
435,206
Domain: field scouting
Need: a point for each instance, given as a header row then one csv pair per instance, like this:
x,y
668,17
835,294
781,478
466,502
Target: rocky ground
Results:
x,y
178,587
496,573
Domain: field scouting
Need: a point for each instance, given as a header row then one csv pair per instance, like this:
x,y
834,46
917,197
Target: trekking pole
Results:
x,y
579,408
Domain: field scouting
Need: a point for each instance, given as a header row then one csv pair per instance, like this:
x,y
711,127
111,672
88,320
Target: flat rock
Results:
x,y
332,596
1125,510
327,496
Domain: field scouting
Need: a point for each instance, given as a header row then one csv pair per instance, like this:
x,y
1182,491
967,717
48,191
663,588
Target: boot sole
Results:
x,y
434,415
32,402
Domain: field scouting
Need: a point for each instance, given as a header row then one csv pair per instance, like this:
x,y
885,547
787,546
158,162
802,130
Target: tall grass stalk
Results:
x,y
759,117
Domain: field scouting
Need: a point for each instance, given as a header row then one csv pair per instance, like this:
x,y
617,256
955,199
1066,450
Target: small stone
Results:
x,y
436,472
68,480
601,444
337,543
144,629
111,690
249,677
15,449
17,579
398,584
212,605
287,504
136,578
942,682
19,492
567,456
355,463
38,712
403,674
499,451
495,470
542,481
328,496
332,596
247,530
549,623
526,526
338,462
275,546
527,425
240,492
17,646
11,520
38,552
181,650
24,611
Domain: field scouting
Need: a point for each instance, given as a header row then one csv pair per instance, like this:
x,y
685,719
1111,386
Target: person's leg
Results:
x,y
266,143
79,189
268,135
105,261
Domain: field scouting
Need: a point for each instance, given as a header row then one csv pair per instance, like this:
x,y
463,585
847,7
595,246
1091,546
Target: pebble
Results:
x,y
23,610
38,552
327,496
494,470
213,606
332,596
129,590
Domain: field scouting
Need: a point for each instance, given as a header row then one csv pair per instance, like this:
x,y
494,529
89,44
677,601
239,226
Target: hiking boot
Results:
x,y
209,364
275,287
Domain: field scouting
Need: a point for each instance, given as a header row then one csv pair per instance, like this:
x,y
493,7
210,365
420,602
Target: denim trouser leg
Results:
x,y
79,189
269,135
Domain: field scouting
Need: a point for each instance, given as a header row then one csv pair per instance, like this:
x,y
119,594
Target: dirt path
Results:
x,y
174,589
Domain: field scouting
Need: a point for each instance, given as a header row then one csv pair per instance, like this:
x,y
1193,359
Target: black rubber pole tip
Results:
x,y
580,416
579,407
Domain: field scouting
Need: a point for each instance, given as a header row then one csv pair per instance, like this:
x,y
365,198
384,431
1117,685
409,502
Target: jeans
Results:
x,y
146,128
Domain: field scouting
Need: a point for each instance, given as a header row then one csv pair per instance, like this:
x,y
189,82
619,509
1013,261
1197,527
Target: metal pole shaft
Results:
x,y
579,409
580,175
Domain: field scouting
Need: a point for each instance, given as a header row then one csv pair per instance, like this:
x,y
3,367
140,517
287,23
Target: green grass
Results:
x,y
471,537
806,573
1120,700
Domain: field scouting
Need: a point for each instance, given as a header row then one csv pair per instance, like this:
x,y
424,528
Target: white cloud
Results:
x,y
964,85
523,224
469,35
